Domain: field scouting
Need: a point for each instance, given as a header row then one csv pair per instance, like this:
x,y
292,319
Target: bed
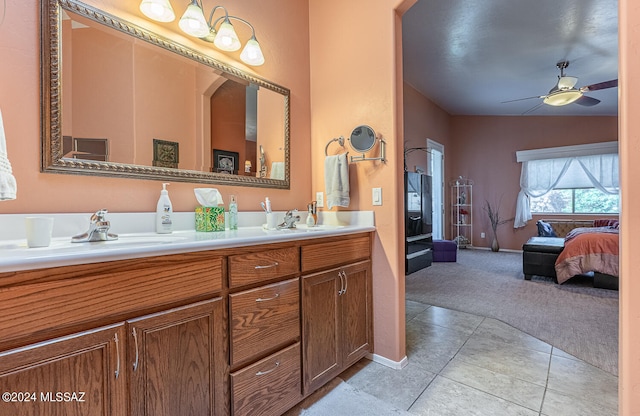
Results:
x,y
594,249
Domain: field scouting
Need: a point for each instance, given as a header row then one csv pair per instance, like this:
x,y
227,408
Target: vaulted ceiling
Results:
x,y
469,56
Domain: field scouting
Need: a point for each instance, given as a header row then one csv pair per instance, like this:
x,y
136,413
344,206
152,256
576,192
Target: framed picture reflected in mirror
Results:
x,y
225,161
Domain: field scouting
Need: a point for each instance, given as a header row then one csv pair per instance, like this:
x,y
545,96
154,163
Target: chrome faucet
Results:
x,y
98,230
290,219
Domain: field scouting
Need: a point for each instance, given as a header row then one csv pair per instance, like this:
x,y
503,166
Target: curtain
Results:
x,y
539,177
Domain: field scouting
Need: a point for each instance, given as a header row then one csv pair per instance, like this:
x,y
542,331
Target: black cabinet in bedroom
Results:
x,y
418,221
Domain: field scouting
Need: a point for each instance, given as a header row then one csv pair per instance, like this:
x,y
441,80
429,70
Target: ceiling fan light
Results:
x,y
562,97
566,83
158,10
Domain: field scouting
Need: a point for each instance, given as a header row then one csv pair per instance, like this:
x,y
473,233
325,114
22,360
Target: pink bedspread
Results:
x,y
588,250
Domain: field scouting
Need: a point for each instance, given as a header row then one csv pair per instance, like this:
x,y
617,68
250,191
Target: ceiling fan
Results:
x,y
565,92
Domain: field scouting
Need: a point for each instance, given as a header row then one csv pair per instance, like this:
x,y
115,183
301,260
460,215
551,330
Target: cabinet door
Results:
x,y
175,359
320,328
78,375
356,315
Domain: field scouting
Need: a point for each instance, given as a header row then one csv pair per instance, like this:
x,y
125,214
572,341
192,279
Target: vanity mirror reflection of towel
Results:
x,y
8,186
277,170
336,180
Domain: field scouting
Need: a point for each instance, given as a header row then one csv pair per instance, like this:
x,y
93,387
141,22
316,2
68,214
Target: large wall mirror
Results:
x,y
119,100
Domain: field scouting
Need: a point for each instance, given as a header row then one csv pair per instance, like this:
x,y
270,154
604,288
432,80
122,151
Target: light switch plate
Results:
x,y
376,196
319,199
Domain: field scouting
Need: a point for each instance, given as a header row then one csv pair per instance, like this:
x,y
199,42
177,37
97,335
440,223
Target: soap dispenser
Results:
x,y
233,213
312,217
164,212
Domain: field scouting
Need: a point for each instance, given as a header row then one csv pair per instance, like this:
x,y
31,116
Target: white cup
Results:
x,y
39,230
272,221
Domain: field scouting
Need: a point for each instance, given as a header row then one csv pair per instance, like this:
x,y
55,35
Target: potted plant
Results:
x,y
493,211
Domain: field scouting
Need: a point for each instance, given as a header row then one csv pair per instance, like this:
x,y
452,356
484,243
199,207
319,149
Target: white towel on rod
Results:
x,y
277,170
336,180
8,186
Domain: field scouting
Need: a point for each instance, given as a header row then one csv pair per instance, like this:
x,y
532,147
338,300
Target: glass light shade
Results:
x,y
566,83
193,23
562,97
226,38
158,10
252,54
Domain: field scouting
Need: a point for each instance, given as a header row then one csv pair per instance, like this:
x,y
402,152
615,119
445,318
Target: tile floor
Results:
x,y
462,364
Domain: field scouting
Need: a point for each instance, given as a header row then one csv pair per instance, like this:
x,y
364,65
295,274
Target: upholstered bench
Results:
x,y
445,251
539,256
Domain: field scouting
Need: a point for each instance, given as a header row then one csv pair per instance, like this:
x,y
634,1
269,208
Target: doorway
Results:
x,y
435,166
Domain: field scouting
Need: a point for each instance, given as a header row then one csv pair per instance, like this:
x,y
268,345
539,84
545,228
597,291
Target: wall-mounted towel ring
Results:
x,y
340,141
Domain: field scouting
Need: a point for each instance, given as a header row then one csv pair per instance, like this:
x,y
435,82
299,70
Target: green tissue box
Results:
x,y
209,219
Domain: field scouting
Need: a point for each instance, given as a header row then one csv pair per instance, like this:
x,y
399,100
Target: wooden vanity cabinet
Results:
x,y
78,375
138,337
241,331
173,357
337,327
264,331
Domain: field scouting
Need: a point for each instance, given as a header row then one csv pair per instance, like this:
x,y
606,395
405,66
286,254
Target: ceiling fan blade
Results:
x,y
521,99
532,109
587,101
600,86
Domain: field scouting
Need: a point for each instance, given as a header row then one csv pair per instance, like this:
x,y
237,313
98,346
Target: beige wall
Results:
x,y
484,150
354,80
277,22
423,120
629,383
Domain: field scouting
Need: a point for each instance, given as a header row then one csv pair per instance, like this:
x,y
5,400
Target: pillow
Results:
x,y
606,223
545,229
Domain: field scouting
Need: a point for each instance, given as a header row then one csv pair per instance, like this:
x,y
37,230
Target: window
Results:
x,y
580,179
576,201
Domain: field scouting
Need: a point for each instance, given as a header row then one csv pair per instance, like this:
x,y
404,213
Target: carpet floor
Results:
x,y
574,317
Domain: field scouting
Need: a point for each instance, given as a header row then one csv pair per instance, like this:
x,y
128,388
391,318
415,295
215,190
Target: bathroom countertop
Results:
x,y
15,255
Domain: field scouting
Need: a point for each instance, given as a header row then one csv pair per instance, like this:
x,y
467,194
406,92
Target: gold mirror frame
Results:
x,y
51,88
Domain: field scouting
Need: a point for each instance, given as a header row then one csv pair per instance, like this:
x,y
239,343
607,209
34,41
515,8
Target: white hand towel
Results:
x,y
336,180
8,186
277,170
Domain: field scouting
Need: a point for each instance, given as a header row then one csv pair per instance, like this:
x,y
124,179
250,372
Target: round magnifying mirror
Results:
x,y
362,138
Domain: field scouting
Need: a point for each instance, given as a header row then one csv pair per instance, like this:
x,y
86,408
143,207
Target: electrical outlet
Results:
x,y
482,235
320,199
376,196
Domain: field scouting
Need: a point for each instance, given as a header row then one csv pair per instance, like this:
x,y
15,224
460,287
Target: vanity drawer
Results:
x,y
251,268
101,293
268,387
335,253
263,319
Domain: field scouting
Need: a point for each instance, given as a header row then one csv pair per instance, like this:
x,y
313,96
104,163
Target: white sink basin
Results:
x,y
319,227
141,240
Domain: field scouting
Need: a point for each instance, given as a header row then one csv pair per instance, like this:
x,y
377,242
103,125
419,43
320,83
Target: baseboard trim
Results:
x,y
508,250
396,365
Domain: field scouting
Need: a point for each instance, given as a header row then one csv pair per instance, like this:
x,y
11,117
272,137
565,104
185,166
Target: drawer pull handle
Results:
x,y
262,373
267,299
268,266
135,339
117,356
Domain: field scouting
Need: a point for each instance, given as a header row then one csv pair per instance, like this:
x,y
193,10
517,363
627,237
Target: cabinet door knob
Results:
x,y
262,373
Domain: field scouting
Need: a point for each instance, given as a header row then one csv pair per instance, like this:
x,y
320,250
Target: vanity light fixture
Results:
x,y
159,10
220,31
